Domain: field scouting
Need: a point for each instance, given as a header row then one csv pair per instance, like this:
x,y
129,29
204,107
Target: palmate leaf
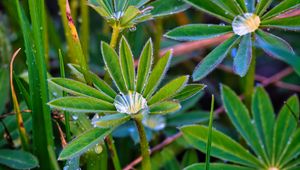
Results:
x,y
262,6
285,126
82,104
16,159
167,91
292,150
78,88
144,68
289,23
242,60
222,146
230,5
112,64
157,74
189,91
109,121
217,166
167,7
83,142
165,107
129,15
284,6
214,58
127,64
197,32
212,8
240,117
263,114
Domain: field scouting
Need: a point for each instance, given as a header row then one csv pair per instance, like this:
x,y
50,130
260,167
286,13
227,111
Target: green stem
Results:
x,y
115,36
113,152
146,163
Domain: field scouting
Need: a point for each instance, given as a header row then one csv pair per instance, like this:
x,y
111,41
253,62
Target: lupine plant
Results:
x,y
248,20
272,143
136,98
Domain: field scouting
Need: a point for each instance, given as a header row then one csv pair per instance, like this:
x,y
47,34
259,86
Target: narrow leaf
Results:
x,y
165,107
262,6
290,23
292,150
210,125
109,121
284,6
167,7
189,91
231,6
217,166
18,159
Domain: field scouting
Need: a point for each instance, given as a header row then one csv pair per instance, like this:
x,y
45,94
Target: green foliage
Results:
x,y
18,159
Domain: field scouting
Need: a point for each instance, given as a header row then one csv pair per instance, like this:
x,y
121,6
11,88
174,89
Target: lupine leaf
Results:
x,y
167,91
129,15
230,5
78,88
144,68
223,147
262,6
211,8
18,159
189,91
213,59
285,126
138,3
187,118
217,166
242,60
83,142
242,5
292,150
157,74
190,157
290,23
197,32
264,116
240,118
284,6
165,107
109,121
82,104
112,64
250,4
127,64
167,7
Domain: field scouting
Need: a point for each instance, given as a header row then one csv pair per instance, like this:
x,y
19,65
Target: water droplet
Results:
x,y
75,117
245,23
132,29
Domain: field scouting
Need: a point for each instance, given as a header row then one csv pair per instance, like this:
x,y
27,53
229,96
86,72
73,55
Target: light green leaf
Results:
x,y
165,107
138,3
82,104
157,74
112,64
190,157
144,66
262,6
109,121
18,159
197,32
240,118
78,88
129,15
223,147
127,64
264,117
83,143
212,8
214,58
189,91
167,7
167,91
290,23
217,166
242,60
284,6
285,126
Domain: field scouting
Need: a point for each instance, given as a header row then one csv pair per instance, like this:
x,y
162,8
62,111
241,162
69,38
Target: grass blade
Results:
x,y
208,144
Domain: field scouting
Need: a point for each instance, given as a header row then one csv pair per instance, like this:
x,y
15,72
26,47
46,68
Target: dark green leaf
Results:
x,y
4,88
189,91
284,6
231,6
262,6
18,159
292,150
167,7
109,121
165,107
190,157
290,23
197,32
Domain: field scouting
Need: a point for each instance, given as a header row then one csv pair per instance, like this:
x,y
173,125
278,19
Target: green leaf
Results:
x,y
127,64
211,8
82,104
285,126
223,147
167,7
240,118
165,107
112,64
214,58
281,54
284,6
292,150
190,157
197,32
187,118
157,74
78,88
262,6
83,143
242,60
130,13
250,4
144,66
138,3
217,166
18,159
231,6
98,82
189,91
264,117
4,88
167,91
109,121
290,23
242,4
169,159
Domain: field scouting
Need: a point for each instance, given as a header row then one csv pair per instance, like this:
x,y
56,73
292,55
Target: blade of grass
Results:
x,y
208,144
84,29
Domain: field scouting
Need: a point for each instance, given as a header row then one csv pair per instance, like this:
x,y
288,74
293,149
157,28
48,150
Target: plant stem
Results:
x,y
115,36
113,152
146,163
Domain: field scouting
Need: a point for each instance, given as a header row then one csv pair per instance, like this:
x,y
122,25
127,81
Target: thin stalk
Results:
x,y
115,36
84,29
209,138
157,41
66,114
113,152
146,163
249,80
